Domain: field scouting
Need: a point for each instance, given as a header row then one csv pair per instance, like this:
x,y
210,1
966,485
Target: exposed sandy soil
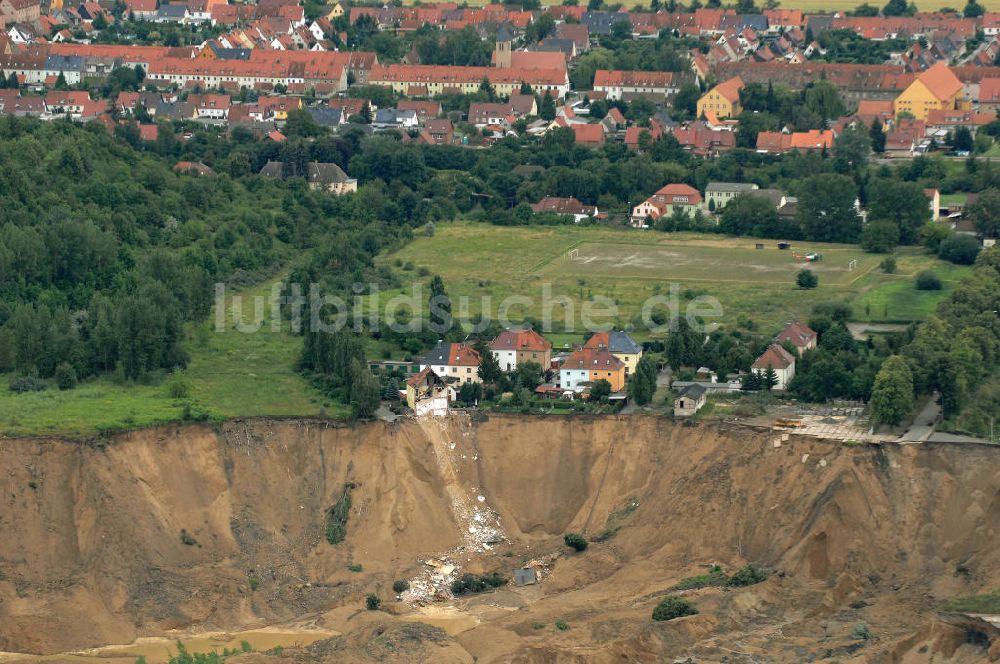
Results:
x,y
91,552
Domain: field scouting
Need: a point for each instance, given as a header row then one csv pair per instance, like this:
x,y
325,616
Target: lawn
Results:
x,y
947,200
486,264
893,298
231,374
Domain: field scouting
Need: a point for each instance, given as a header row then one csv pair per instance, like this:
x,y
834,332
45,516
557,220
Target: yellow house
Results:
x,y
619,344
280,106
936,88
723,99
336,12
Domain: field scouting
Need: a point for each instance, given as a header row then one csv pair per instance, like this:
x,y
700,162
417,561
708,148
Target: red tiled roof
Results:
x,y
536,60
678,193
388,74
875,107
798,334
520,340
730,89
941,81
463,355
634,133
589,133
617,77
148,6
776,357
148,132
989,91
424,109
592,360
67,98
558,205
813,139
937,116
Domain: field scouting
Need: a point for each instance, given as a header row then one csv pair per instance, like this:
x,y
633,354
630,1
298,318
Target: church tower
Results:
x,y
503,48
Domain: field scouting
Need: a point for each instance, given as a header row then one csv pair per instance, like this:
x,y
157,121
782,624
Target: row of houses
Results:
x,y
703,22
685,199
324,73
611,356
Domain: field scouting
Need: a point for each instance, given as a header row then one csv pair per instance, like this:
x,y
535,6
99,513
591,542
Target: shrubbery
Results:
x,y
861,632
960,249
715,577
468,584
806,279
65,376
747,575
372,602
336,523
575,541
400,586
927,280
672,606
26,384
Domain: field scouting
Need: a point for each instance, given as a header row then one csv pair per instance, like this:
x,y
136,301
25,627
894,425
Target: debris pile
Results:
x,y
483,529
434,583
542,566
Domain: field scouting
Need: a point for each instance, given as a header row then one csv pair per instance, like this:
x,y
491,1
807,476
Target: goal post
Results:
x,y
574,254
853,265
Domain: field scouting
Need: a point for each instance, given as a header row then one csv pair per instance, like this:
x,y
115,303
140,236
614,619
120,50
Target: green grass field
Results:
x,y
894,298
480,261
231,374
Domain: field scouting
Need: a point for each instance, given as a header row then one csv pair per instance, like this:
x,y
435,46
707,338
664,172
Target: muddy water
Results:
x,y
157,650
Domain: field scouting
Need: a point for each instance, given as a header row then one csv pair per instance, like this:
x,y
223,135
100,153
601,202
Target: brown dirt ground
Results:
x,y
91,552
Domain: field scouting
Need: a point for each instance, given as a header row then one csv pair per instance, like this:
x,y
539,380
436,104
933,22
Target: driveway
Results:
x,y
923,424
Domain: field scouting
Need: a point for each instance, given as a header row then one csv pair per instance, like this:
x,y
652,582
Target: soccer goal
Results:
x,y
853,265
574,254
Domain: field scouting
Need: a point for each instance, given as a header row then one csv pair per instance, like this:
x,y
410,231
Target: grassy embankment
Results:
x,y
231,374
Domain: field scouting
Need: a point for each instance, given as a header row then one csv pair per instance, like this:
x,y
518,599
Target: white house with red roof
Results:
x,y
453,362
619,84
666,201
513,347
779,359
801,336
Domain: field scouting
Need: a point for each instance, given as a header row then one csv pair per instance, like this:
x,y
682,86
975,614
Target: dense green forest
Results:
x,y
957,351
105,252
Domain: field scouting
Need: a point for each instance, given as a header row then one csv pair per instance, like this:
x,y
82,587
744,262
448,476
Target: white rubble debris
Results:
x,y
479,524
434,582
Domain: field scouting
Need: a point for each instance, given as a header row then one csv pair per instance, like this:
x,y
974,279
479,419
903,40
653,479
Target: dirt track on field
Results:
x,y
91,551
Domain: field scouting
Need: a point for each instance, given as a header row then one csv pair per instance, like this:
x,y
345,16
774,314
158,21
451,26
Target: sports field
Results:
x,y
487,264
733,261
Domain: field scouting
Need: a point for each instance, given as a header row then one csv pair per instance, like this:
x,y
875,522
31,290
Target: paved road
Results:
x,y
923,425
956,438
